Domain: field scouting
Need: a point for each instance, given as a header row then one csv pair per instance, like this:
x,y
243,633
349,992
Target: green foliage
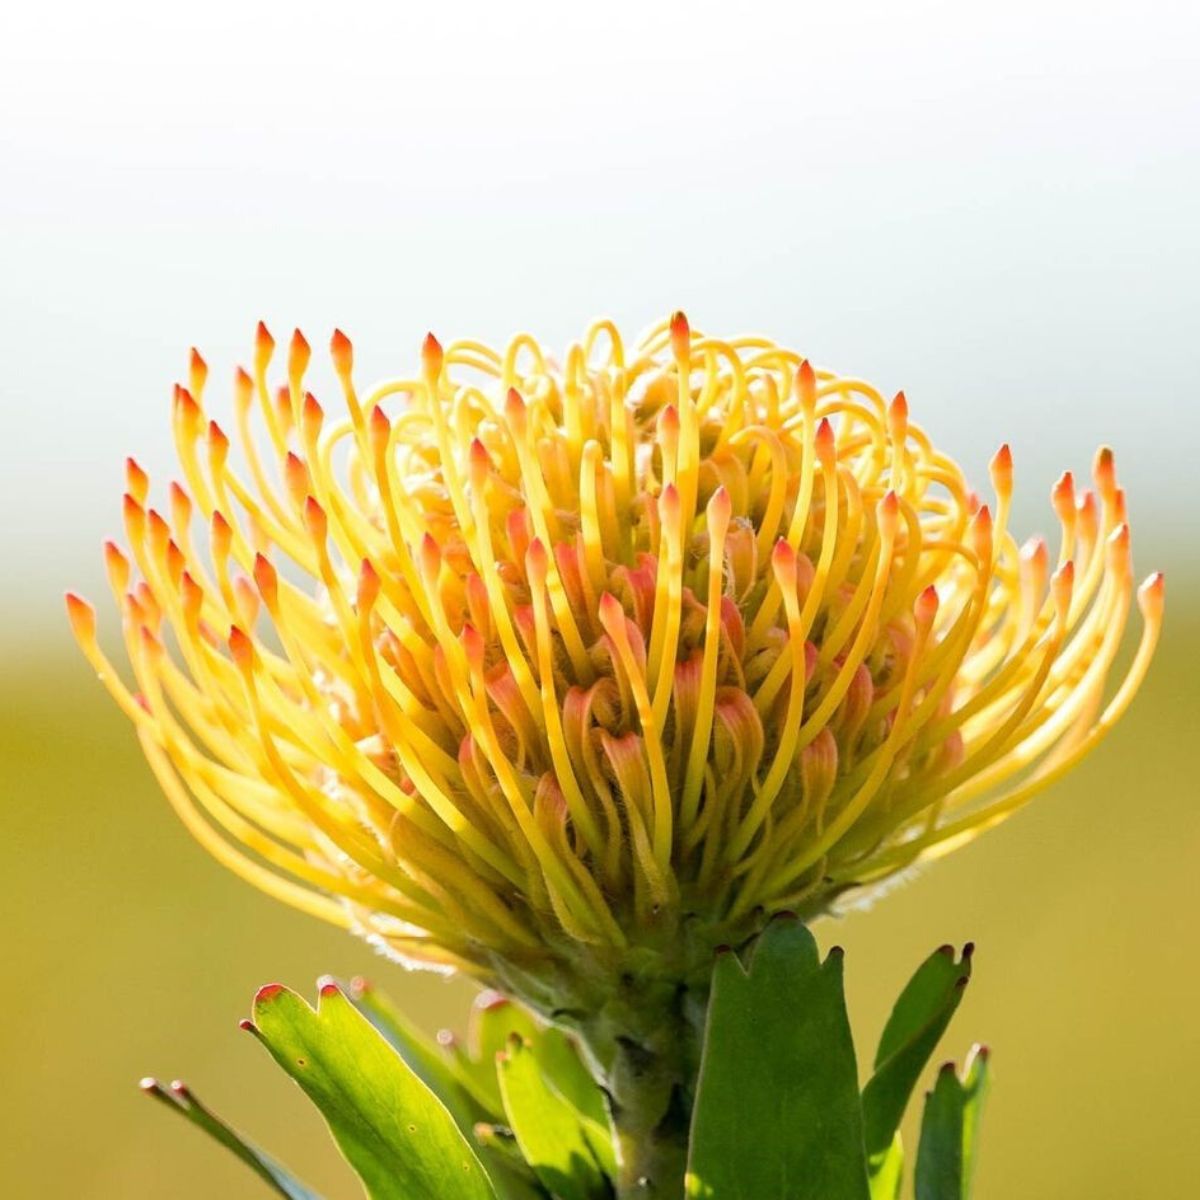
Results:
x,y
915,1027
777,1108
181,1099
393,1130
950,1130
513,1113
548,1130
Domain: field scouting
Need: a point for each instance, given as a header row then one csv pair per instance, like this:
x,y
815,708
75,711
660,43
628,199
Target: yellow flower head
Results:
x,y
520,660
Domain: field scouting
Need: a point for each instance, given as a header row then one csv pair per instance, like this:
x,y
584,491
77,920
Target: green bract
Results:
x,y
514,1114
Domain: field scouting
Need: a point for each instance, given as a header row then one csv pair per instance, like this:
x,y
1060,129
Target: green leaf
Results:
x,y
562,1067
493,1018
548,1129
950,1130
777,1113
393,1130
443,1074
887,1173
180,1098
913,1031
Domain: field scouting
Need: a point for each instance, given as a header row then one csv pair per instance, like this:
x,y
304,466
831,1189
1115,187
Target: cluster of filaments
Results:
x,y
520,654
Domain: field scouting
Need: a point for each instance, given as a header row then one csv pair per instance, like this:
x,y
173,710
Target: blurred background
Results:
x,y
993,208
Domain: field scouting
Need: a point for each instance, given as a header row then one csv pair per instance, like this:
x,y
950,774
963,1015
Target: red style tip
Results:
x,y
514,407
368,586
536,560
431,356
82,616
681,335
137,482
826,443
342,352
314,414
241,648
247,1025
805,385
1001,467
314,519
926,607
381,427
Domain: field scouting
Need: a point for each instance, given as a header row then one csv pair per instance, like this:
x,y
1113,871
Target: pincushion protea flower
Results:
x,y
564,673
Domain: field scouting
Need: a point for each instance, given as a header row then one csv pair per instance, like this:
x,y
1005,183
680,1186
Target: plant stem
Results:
x,y
647,1041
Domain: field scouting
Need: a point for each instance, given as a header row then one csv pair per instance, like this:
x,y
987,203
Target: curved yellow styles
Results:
x,y
520,658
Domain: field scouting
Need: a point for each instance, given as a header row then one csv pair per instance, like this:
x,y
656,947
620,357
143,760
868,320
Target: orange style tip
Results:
x,y
241,647
196,360
431,351
313,412
1104,468
473,645
1001,463
479,462
927,605
136,479
1152,595
1062,584
1034,549
82,616
514,405
782,552
1117,544
380,425
719,509
314,516
668,421
681,334
299,344
825,441
611,612
898,409
668,503
341,350
368,585
536,559
431,557
262,337
220,526
805,384
216,437
265,574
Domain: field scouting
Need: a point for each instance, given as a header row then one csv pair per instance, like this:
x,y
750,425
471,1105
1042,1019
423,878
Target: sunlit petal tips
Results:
x,y
507,664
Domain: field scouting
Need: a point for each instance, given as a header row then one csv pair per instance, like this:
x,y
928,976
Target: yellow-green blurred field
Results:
x,y
129,952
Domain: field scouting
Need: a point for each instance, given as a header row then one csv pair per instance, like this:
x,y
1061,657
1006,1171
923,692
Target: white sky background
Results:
x,y
993,206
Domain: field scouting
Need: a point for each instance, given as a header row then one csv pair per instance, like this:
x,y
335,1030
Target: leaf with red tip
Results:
x,y
950,1130
777,1109
913,1030
444,1075
183,1100
393,1130
548,1129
